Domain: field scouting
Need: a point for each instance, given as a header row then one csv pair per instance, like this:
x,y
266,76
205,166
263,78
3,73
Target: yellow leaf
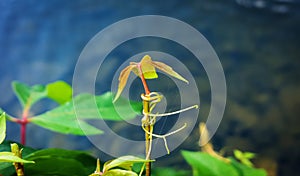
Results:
x,y
123,80
147,68
167,69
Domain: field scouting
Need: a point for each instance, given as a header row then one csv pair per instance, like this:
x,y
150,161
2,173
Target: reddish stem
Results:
x,y
23,122
148,128
147,91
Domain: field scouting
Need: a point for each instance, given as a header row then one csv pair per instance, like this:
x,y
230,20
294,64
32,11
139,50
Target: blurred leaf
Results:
x,y
238,154
59,91
169,171
119,172
29,95
167,69
247,171
125,162
249,155
65,119
60,162
2,127
123,80
244,157
204,164
10,157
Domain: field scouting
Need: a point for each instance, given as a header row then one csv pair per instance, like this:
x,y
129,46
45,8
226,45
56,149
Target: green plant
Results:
x,y
210,163
145,69
61,119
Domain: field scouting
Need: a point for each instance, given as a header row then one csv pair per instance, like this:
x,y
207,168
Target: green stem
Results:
x,y
19,167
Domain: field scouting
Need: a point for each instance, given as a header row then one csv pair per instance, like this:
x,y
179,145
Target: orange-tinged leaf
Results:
x,y
167,69
123,80
148,69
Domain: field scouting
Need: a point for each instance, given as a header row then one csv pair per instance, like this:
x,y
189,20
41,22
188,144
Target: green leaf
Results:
x,y
60,162
2,127
65,119
119,172
59,91
29,95
238,154
6,168
125,162
247,171
204,164
10,157
249,155
169,171
244,157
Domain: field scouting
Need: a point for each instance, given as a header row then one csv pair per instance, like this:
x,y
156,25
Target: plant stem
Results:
x,y
19,167
148,126
23,123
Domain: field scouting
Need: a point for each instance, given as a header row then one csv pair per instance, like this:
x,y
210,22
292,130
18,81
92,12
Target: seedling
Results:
x,y
145,69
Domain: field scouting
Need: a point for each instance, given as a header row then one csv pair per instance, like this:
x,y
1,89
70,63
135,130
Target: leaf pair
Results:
x,y
58,91
112,168
146,69
244,157
70,116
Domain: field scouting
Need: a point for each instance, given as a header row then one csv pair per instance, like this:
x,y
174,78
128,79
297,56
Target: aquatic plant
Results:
x,y
145,69
18,159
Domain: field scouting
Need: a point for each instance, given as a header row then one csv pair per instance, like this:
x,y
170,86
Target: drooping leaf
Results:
x,y
10,157
68,120
204,164
246,170
123,80
29,95
125,162
119,172
2,127
59,91
60,162
167,69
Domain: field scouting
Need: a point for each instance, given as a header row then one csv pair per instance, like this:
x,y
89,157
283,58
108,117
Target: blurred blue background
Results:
x,y
257,42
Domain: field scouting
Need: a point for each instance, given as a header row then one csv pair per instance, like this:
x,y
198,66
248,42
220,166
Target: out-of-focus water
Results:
x,y
257,43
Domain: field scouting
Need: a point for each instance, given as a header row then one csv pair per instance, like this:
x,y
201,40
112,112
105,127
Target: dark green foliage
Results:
x,y
204,164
